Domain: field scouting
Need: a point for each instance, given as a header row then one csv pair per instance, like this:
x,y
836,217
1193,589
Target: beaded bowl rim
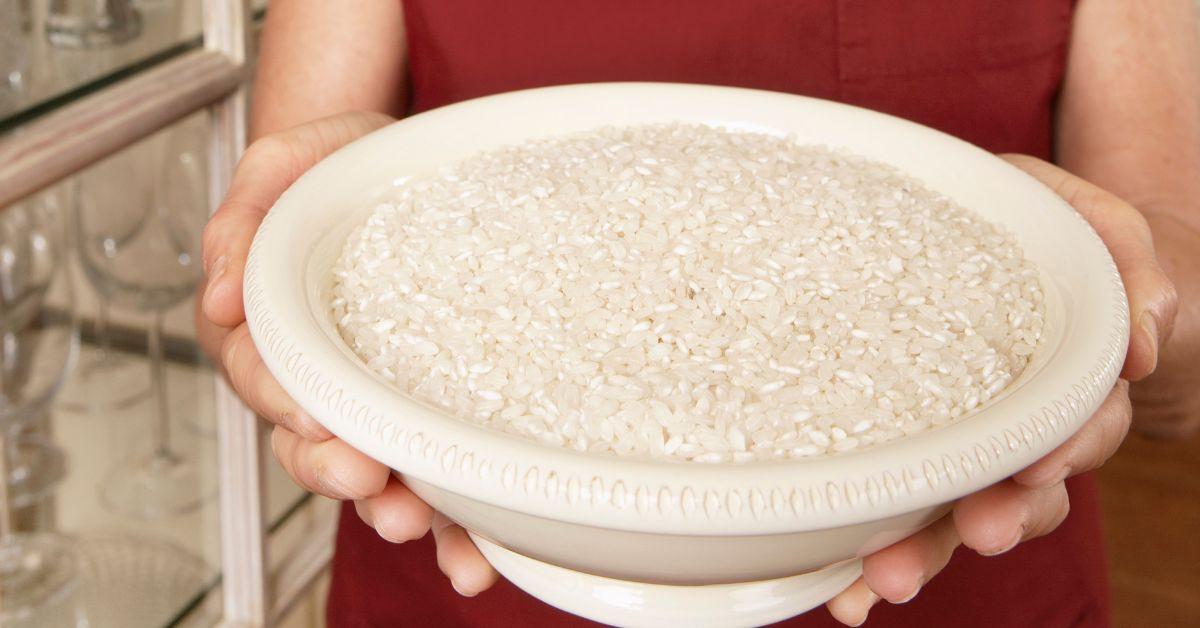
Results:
x,y
1072,370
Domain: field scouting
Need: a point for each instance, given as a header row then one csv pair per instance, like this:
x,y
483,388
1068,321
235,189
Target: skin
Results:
x,y
1129,120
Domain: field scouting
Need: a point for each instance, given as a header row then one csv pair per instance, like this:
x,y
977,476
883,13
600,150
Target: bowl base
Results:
x,y
634,604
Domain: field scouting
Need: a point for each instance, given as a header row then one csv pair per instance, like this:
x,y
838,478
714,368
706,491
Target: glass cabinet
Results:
x,y
131,477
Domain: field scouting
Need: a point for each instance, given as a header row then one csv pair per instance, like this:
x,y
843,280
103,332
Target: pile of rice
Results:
x,y
687,292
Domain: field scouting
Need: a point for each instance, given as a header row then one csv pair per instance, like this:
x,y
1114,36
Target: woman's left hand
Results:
x,y
1034,502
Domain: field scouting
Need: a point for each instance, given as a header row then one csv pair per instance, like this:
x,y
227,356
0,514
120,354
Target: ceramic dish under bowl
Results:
x,y
636,542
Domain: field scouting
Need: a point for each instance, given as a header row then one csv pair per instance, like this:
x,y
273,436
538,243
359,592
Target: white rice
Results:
x,y
687,292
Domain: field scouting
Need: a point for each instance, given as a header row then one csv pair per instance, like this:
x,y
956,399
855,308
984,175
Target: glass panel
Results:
x,y
116,470
56,51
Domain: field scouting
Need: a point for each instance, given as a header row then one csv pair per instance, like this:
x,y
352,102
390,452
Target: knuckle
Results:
x,y
1119,396
275,445
1168,304
1135,220
362,508
1120,428
231,348
1123,407
210,237
257,382
1062,509
283,447
239,359
1125,404
209,336
306,467
1074,191
1170,296
267,148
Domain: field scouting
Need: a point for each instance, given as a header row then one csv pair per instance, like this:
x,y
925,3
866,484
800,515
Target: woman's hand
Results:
x,y
314,458
1167,403
1034,502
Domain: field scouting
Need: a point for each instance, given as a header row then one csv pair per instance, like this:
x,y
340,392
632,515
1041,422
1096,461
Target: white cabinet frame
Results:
x,y
59,144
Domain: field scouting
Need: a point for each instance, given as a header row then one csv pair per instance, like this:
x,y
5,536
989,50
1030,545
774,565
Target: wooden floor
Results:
x,y
1150,493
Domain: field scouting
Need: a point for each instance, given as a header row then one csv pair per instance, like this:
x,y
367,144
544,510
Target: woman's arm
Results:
x,y
1129,121
319,58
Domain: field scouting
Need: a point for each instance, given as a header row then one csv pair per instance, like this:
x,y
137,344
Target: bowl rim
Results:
x,y
283,315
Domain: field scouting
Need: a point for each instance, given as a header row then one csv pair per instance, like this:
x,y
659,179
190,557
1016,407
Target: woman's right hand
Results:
x,y
316,459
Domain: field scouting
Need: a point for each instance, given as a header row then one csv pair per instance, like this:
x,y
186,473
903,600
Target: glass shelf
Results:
x,y
55,76
125,582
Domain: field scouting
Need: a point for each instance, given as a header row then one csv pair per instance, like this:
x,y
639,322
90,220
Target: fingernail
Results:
x,y
460,591
390,539
911,595
1011,544
214,274
1149,325
312,429
866,613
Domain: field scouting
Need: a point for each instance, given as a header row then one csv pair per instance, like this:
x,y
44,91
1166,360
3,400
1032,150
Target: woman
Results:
x,y
1110,89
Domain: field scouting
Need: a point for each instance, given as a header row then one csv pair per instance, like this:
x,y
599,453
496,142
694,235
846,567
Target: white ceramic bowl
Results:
x,y
639,542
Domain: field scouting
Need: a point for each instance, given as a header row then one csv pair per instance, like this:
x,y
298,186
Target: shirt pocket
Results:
x,y
903,38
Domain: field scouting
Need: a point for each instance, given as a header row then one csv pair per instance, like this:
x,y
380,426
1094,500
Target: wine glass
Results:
x,y
183,182
154,269
35,465
91,23
106,379
37,345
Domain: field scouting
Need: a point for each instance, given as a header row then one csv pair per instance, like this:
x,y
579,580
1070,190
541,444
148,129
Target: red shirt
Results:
x,y
988,72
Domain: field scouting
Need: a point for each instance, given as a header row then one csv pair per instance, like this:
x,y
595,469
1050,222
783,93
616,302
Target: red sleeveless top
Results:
x,y
988,72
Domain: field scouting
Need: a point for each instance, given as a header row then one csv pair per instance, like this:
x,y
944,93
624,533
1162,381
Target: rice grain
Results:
x,y
687,292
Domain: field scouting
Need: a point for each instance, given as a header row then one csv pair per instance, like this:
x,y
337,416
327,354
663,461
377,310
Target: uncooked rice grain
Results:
x,y
687,292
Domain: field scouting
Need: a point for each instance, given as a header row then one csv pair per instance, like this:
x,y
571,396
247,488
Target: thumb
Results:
x,y
269,166
1152,297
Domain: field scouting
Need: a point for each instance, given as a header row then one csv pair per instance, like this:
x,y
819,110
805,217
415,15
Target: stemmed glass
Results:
x,y
154,269
37,345
35,464
105,379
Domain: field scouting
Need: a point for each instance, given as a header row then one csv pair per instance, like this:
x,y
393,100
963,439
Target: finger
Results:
x,y
256,386
396,513
268,167
995,519
331,468
211,338
852,605
1088,448
897,572
469,572
1152,298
